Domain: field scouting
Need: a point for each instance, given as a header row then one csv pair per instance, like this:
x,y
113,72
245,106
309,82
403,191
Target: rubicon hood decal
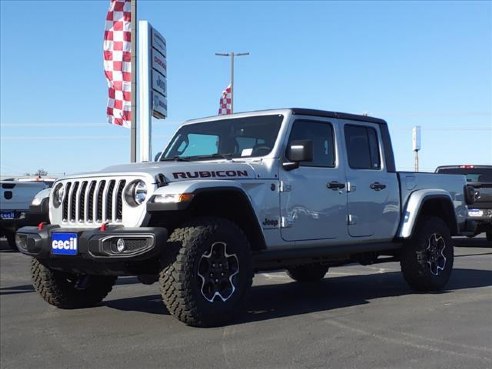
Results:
x,y
211,174
181,171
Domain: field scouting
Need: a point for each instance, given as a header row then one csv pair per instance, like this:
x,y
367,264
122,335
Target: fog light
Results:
x,y
21,241
120,245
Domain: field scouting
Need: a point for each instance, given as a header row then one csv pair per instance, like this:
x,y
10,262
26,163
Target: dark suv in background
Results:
x,y
480,177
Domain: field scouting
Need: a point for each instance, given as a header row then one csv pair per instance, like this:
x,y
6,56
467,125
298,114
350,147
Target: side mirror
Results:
x,y
298,150
157,156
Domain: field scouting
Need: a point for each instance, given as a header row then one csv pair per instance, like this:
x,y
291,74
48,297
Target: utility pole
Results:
x,y
232,55
416,143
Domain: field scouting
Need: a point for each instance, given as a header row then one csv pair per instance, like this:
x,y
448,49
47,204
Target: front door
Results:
x,y
313,197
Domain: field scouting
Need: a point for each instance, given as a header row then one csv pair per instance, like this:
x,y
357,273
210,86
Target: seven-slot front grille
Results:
x,y
94,201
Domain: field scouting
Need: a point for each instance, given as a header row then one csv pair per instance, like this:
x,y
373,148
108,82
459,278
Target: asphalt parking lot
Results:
x,y
357,317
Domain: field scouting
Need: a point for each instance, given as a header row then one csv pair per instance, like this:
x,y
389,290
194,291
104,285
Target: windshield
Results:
x,y
472,174
229,138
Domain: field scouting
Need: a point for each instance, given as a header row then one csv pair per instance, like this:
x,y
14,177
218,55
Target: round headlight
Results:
x,y
139,192
136,193
58,194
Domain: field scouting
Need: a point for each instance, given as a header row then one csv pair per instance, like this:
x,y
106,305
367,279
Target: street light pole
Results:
x,y
232,55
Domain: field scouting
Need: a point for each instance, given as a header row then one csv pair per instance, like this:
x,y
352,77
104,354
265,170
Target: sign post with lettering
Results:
x,y
152,73
159,75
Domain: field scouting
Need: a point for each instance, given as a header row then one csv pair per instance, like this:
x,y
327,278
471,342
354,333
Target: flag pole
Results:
x,y
232,82
232,55
133,129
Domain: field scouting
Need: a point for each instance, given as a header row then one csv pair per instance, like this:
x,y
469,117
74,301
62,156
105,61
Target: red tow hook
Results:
x,y
41,226
104,227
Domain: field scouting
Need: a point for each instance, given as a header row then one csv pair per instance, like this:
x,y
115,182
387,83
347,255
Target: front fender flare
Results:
x,y
188,187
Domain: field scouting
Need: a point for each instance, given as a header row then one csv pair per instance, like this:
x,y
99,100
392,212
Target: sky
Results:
x,y
410,63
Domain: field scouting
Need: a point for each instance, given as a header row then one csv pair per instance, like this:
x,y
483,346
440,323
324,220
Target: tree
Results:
x,y
41,172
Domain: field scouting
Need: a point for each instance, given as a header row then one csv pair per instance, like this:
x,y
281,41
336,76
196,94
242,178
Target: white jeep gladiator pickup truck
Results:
x,y
295,189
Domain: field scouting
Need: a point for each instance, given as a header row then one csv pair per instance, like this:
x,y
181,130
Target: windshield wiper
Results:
x,y
199,157
211,156
177,158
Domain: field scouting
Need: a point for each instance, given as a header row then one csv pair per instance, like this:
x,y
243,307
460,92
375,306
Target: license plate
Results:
x,y
7,215
64,243
475,213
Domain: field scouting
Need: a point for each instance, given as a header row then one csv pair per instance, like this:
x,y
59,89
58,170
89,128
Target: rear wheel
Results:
x,y
209,272
427,258
67,290
307,273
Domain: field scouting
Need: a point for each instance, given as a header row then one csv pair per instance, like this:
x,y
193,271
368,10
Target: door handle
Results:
x,y
376,186
334,185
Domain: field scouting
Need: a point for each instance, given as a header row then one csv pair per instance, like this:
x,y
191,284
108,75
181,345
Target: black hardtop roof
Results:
x,y
333,114
298,111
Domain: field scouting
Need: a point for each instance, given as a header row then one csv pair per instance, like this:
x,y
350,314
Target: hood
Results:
x,y
179,171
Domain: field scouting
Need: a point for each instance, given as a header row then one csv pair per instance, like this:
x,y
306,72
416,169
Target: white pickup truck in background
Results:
x,y
16,198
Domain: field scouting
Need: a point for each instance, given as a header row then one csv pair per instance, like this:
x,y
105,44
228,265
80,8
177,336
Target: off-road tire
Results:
x,y
65,291
190,252
427,258
307,273
11,241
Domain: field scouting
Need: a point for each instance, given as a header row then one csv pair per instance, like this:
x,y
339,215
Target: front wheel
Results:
x,y
427,258
67,290
208,273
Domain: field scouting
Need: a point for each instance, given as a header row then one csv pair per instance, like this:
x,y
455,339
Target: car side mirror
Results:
x,y
298,150
157,156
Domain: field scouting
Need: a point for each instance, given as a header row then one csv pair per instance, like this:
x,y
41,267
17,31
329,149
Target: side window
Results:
x,y
323,143
362,147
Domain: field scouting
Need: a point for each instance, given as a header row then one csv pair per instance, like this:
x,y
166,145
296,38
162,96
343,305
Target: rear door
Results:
x,y
372,192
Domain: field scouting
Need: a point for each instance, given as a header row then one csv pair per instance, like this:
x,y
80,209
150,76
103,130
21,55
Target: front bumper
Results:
x,y
93,245
480,215
21,219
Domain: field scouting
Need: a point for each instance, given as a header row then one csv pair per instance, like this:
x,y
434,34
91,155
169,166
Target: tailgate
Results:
x,y
484,198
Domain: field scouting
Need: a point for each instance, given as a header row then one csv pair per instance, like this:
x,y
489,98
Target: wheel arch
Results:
x,y
422,203
230,203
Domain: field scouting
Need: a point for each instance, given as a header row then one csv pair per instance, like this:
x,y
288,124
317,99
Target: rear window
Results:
x,y
472,174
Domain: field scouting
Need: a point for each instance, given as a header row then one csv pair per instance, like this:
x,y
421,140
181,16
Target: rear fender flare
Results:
x,y
411,212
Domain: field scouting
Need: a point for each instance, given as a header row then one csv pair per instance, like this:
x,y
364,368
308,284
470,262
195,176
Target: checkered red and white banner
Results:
x,y
225,101
117,62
